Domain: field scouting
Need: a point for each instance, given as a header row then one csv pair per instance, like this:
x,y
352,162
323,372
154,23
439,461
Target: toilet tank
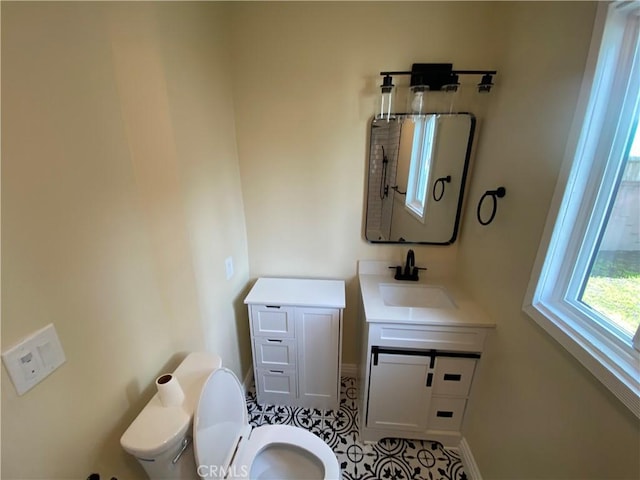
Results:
x,y
159,437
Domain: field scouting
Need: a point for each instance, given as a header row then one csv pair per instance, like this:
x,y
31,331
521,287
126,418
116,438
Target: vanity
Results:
x,y
296,340
421,344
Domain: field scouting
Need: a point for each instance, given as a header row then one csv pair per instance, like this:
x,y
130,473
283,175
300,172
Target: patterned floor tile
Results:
x,y
388,459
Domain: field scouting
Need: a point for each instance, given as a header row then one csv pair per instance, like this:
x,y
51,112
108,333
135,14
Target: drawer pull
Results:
x,y
272,306
274,340
452,377
429,379
277,371
444,414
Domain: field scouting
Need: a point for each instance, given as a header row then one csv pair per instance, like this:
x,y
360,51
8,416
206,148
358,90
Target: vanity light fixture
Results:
x,y
429,77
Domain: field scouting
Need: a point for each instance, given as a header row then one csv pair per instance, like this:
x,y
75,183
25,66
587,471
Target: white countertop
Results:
x,y
302,292
466,313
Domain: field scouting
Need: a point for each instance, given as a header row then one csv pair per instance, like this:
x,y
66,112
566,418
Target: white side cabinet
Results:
x,y
296,338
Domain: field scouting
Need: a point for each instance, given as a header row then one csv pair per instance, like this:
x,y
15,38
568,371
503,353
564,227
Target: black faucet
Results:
x,y
410,263
410,270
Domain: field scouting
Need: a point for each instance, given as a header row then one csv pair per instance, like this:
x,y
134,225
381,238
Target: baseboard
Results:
x,y
468,462
349,370
248,380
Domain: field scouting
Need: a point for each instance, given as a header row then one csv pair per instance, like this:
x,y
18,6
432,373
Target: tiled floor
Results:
x,y
390,458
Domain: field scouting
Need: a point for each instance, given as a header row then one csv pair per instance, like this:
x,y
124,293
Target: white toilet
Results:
x,y
227,447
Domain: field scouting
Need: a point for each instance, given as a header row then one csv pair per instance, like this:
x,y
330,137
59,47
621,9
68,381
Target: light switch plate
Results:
x,y
32,359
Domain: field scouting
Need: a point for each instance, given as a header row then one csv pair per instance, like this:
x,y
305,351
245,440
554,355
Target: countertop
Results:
x,y
301,292
466,313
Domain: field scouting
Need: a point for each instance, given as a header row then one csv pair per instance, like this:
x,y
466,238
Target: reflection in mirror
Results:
x,y
417,171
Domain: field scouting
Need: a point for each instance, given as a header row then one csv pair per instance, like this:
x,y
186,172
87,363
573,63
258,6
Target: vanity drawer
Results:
x,y
277,353
458,339
276,386
453,376
273,321
446,413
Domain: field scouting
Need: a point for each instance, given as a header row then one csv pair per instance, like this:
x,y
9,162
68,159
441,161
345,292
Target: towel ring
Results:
x,y
440,181
494,194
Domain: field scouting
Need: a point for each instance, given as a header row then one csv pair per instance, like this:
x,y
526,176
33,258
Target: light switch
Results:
x,y
34,358
228,265
47,354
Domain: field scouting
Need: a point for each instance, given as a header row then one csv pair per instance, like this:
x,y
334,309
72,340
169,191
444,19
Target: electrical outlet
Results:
x,y
228,265
29,366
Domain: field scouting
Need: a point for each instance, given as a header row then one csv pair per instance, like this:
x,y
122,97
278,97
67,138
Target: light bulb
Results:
x,y
417,102
417,106
386,98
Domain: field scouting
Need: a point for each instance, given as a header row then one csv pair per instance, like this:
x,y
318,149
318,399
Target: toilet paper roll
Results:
x,y
169,390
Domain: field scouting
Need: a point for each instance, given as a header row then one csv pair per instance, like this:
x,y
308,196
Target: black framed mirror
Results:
x,y
417,171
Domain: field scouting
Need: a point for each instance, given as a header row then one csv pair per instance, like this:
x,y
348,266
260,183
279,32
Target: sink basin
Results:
x,y
416,296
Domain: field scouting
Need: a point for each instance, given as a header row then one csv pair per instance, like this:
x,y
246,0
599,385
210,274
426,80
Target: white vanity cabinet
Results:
x,y
296,338
418,391
417,363
412,387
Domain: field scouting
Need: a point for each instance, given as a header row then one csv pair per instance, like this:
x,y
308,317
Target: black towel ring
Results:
x,y
494,194
441,181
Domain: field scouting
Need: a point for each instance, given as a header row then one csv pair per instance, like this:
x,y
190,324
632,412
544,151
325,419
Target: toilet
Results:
x,y
162,438
226,446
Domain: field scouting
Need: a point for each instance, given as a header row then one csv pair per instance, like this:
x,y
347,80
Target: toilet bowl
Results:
x,y
226,446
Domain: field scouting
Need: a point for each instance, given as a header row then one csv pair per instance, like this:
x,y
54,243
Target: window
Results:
x,y
611,287
424,135
585,286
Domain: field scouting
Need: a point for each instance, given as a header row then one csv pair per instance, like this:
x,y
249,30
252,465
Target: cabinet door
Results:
x,y
318,339
398,393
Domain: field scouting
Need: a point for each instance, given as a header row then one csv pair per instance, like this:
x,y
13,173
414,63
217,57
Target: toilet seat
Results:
x,y
265,436
226,445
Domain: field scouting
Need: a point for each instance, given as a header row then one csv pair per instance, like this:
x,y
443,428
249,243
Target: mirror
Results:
x,y
416,176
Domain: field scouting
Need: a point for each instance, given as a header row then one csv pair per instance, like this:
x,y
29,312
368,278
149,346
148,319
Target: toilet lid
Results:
x,y
221,418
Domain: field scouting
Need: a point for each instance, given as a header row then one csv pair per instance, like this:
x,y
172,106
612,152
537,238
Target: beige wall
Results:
x,y
303,123
120,201
122,193
535,412
302,134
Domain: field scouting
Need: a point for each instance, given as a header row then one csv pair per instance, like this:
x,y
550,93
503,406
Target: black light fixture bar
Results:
x,y
458,72
435,76
475,72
